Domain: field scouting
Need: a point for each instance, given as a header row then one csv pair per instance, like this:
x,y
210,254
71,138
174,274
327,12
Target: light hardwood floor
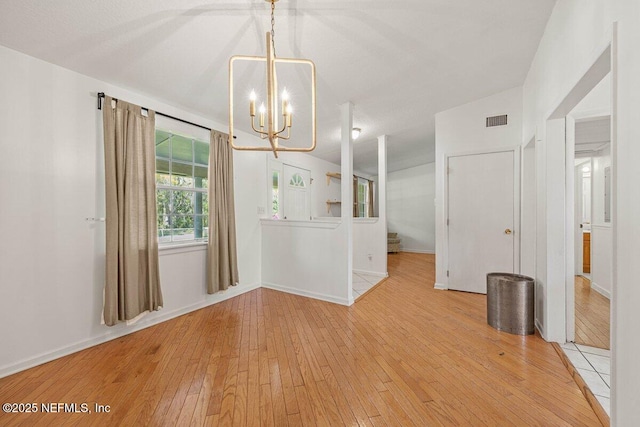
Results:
x,y
592,315
404,354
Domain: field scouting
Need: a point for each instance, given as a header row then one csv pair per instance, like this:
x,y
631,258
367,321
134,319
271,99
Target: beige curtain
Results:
x,y
370,207
222,254
132,278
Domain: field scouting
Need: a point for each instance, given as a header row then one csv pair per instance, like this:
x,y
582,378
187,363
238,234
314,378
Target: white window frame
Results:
x,y
194,190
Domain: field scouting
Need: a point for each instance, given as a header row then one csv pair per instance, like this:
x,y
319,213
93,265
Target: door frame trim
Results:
x,y
515,150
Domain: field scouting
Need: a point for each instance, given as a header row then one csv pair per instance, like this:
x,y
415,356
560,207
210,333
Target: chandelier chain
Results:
x,y
273,24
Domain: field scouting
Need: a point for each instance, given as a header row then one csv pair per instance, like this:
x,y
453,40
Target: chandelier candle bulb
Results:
x,y
285,101
288,115
273,131
252,104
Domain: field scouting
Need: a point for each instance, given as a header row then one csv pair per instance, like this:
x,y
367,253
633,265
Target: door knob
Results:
x,y
507,231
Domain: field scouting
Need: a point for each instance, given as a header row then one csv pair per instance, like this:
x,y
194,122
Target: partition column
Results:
x,y
346,169
382,192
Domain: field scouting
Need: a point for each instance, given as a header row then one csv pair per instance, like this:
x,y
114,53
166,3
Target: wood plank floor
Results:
x,y
403,355
592,315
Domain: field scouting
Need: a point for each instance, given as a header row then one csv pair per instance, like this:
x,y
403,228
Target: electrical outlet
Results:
x,y
370,256
260,210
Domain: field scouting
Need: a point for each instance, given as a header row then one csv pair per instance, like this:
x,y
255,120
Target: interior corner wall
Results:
x,y
52,175
411,207
574,34
463,130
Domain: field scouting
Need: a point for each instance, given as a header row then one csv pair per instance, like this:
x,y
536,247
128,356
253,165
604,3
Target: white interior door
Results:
x,y
481,218
296,200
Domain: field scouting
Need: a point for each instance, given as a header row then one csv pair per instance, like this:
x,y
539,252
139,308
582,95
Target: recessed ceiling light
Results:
x,y
355,133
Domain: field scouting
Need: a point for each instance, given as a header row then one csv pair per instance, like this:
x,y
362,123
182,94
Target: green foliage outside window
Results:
x,y
182,182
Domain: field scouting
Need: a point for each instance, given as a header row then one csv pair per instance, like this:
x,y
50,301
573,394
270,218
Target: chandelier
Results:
x,y
268,124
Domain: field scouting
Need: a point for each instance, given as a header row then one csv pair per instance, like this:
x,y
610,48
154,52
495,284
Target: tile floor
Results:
x,y
594,366
363,282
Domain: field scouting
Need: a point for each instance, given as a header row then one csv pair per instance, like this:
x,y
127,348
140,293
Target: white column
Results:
x,y
382,192
346,169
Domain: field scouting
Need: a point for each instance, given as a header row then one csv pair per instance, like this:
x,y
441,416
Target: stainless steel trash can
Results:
x,y
510,304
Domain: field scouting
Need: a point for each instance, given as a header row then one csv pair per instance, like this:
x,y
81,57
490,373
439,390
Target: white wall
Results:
x,y
306,258
601,236
462,130
528,213
369,250
411,208
52,259
571,42
600,161
320,190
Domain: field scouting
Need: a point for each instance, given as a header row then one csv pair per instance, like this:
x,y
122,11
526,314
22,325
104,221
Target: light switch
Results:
x,y
260,210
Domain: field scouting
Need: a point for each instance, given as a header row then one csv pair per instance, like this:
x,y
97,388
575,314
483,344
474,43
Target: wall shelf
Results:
x,y
336,175
332,202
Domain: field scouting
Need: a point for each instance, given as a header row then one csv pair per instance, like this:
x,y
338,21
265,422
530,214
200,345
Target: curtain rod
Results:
x,y
101,96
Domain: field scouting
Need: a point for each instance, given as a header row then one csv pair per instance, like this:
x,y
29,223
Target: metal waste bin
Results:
x,y
510,305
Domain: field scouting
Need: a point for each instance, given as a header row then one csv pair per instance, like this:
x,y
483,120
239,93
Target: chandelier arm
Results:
x,y
253,126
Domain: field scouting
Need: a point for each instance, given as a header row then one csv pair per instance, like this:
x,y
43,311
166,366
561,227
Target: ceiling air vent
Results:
x,y
496,121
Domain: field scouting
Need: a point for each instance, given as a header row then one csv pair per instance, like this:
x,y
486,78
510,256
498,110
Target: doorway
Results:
x,y
296,200
592,230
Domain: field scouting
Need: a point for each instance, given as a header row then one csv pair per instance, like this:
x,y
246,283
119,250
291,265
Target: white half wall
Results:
x,y
306,258
463,130
369,250
52,174
411,207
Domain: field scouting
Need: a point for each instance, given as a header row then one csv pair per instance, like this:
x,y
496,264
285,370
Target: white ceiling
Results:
x,y
399,61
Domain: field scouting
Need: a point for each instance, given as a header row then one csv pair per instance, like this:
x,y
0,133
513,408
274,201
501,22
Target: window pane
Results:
x,y
181,175
182,228
163,144
199,225
163,202
275,200
201,177
205,204
164,229
162,172
205,227
202,152
181,148
198,202
182,202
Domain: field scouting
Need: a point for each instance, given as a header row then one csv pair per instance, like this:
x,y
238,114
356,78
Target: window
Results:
x,y
297,181
275,194
182,184
363,198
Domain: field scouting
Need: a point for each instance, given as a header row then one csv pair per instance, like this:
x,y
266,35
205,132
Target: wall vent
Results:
x,y
496,121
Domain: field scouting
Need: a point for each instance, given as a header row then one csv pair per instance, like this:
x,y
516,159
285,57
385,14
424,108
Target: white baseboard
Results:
x,y
599,289
309,294
418,251
441,287
123,330
540,329
371,273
